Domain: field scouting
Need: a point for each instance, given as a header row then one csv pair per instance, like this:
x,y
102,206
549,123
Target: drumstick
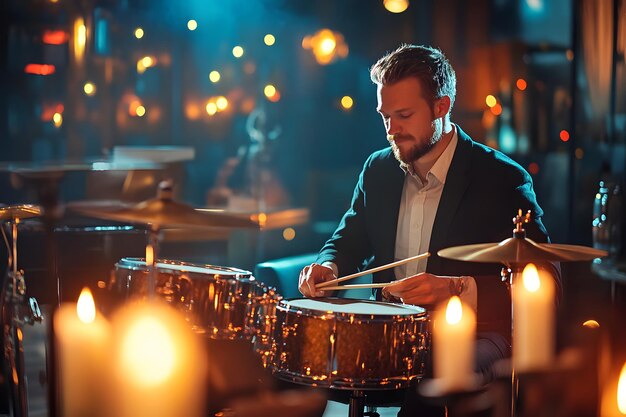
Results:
x,y
355,286
369,271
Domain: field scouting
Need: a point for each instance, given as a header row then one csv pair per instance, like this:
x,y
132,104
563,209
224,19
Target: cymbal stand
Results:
x,y
17,310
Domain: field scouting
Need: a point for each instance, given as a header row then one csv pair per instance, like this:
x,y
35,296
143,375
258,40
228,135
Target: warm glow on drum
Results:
x,y
454,311
530,277
86,308
148,351
621,391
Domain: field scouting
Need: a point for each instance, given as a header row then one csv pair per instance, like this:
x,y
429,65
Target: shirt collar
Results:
x,y
440,169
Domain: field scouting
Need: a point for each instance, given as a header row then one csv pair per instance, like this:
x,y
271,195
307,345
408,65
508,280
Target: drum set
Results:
x,y
357,346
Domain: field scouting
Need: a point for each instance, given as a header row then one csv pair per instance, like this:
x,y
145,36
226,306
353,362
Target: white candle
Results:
x,y
82,338
613,398
158,364
454,345
533,320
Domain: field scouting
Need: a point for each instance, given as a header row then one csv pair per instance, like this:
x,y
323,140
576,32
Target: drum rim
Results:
x,y
420,312
343,383
135,264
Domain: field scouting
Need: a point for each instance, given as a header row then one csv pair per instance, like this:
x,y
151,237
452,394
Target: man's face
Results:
x,y
412,126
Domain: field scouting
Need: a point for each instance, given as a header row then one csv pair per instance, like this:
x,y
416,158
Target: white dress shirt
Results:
x,y
418,208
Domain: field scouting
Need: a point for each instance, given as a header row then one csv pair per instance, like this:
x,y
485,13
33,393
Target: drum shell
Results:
x,y
349,351
219,302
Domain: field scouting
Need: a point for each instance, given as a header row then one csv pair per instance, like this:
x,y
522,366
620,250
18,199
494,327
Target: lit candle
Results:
x,y
158,364
533,320
82,338
613,399
454,345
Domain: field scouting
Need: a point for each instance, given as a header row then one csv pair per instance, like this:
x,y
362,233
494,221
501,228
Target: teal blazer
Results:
x,y
483,191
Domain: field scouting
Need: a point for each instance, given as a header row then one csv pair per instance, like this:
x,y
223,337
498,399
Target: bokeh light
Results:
x,y
211,108
564,135
222,103
238,51
347,102
214,76
141,111
496,110
89,88
192,25
396,6
269,39
521,84
139,33
490,101
289,234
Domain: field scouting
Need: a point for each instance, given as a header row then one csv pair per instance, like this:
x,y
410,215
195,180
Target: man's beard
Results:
x,y
417,150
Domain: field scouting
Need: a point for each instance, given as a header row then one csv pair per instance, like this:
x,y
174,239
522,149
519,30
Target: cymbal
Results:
x,y
161,213
22,211
517,250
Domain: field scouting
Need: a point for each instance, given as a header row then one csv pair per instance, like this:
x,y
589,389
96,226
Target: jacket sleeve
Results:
x,y
350,246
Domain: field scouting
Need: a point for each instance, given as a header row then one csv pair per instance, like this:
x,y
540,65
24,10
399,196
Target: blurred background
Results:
x,y
266,106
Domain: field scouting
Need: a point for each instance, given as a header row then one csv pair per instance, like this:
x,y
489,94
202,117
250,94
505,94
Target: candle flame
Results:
x,y
85,307
454,311
148,351
530,276
149,255
621,391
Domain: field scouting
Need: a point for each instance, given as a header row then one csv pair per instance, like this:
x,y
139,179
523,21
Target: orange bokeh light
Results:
x,y
521,84
55,37
533,168
564,135
497,109
39,69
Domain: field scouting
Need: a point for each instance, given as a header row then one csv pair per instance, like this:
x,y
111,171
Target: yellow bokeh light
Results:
x,y
139,33
211,108
148,351
141,111
86,307
89,88
147,61
591,324
347,102
269,91
396,6
289,234
237,51
80,39
491,100
57,119
222,103
454,310
269,39
192,24
327,46
214,76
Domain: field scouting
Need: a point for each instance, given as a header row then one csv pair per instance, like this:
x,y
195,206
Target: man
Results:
x,y
433,188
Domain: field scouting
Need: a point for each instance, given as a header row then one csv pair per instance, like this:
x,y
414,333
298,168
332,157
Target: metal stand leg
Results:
x,y
356,404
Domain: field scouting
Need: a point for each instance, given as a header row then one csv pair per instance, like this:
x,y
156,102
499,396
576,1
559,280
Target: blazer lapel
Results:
x,y
457,182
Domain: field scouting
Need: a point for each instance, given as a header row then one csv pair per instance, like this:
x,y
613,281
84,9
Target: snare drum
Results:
x,y
349,344
218,301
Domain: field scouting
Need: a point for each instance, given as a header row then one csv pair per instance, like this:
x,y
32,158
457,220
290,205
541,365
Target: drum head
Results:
x,y
180,267
353,308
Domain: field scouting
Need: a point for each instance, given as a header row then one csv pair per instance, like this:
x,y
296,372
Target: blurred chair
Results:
x,y
283,273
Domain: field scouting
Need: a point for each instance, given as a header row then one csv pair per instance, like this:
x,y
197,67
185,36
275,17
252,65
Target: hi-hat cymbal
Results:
x,y
517,250
22,211
162,213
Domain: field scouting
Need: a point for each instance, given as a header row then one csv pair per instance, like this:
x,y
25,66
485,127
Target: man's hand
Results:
x,y
423,289
312,275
